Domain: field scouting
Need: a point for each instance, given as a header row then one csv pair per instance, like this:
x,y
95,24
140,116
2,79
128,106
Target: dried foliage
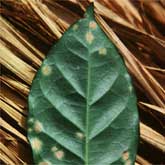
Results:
x,y
28,28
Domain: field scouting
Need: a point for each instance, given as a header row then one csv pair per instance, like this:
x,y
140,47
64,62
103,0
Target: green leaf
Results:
x,y
82,106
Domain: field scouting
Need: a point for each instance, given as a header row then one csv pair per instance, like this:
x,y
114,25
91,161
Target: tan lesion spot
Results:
x,y
80,135
75,27
38,126
59,154
125,155
36,144
102,51
46,70
128,162
89,37
92,25
45,163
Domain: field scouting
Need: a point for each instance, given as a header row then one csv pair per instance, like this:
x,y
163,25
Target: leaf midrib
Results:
x,y
87,114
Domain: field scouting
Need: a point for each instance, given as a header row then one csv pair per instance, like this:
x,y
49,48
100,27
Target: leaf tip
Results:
x,y
90,10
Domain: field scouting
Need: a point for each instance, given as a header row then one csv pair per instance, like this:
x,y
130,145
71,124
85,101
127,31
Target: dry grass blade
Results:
x,y
51,25
14,146
141,160
15,85
11,129
12,103
153,8
20,119
28,29
152,137
9,34
153,107
16,65
7,153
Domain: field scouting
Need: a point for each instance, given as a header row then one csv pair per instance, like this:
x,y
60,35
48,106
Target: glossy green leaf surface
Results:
x,y
82,106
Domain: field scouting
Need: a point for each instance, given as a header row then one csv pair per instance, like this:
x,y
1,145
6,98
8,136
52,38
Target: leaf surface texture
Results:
x,y
82,106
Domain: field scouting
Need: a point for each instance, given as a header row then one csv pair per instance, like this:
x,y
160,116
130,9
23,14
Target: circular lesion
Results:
x,y
92,25
75,27
80,135
46,70
126,158
36,144
45,163
102,51
89,37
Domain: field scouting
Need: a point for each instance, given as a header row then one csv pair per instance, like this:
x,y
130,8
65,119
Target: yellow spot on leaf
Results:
x,y
89,37
54,149
59,154
126,76
44,163
130,88
75,27
92,25
37,126
102,51
36,144
31,120
125,155
46,70
79,135
29,130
